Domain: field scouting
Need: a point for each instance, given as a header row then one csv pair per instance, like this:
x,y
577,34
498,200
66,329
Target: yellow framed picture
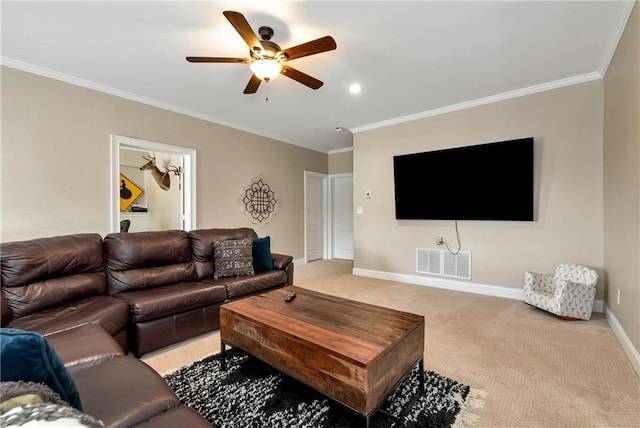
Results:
x,y
129,192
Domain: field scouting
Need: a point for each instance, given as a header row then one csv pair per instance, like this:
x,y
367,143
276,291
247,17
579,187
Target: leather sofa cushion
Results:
x,y
202,246
123,392
245,285
147,259
182,416
84,346
42,273
112,313
5,311
171,299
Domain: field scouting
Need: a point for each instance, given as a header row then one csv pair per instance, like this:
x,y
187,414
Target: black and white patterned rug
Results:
x,y
252,394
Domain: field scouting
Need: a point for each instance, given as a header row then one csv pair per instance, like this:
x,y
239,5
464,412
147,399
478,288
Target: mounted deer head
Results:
x,y
161,178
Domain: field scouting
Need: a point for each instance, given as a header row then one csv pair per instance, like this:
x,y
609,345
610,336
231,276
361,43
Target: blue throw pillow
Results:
x,y
27,356
262,260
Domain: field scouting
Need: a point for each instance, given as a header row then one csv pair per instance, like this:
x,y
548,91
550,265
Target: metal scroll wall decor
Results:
x,y
258,202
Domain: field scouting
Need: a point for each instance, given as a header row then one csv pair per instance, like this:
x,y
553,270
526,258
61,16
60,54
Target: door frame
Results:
x,y
325,212
188,176
330,209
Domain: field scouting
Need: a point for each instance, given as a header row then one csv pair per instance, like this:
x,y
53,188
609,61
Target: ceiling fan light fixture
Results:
x,y
266,69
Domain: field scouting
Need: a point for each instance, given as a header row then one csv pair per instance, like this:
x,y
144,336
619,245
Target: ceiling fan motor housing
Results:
x,y
265,32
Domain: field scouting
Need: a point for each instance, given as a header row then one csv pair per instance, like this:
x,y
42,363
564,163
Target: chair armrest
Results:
x,y
539,282
560,287
576,299
566,287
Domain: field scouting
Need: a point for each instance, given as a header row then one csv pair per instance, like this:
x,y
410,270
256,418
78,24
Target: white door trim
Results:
x,y
325,238
188,177
330,208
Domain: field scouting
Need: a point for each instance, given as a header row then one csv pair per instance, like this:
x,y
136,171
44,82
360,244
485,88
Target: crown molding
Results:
x,y
342,150
615,37
482,101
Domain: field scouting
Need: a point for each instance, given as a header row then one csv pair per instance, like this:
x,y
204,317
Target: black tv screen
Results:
x,y
483,182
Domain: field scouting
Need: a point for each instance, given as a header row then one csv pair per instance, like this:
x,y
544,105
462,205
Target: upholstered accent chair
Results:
x,y
568,293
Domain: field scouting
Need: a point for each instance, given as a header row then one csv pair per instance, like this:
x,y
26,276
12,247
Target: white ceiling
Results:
x,y
413,59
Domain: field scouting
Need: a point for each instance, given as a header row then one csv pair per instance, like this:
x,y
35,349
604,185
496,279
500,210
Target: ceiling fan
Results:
x,y
267,59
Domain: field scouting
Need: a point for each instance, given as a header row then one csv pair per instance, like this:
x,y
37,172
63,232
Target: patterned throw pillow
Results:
x,y
233,258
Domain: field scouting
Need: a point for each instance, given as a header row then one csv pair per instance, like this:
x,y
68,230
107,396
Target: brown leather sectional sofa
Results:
x,y
147,289
141,291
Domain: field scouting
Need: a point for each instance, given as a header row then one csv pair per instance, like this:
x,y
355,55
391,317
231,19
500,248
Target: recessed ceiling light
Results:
x,y
355,88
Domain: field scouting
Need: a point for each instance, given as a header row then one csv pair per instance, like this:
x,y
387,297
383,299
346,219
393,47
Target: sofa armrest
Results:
x,y
280,261
285,263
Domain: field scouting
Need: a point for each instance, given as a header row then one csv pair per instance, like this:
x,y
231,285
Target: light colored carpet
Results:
x,y
534,369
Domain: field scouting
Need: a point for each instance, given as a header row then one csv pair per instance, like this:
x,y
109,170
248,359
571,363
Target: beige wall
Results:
x,y
55,176
567,126
622,180
340,163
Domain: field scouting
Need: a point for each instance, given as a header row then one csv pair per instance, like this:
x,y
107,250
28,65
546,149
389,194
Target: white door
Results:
x,y
342,191
314,219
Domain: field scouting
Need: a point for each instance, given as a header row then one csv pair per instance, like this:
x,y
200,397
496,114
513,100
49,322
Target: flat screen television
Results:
x,y
482,182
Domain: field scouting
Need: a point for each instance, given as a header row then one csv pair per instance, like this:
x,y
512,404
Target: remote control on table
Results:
x,y
289,297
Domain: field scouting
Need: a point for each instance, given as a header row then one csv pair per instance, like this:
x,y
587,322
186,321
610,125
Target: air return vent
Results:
x,y
429,261
443,263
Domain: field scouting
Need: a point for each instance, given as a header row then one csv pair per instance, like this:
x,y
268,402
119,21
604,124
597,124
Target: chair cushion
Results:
x,y
27,356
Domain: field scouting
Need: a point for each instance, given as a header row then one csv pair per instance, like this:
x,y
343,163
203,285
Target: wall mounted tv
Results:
x,y
482,182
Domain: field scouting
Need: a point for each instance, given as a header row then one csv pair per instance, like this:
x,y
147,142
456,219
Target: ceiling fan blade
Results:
x,y
215,59
243,28
299,76
252,86
313,47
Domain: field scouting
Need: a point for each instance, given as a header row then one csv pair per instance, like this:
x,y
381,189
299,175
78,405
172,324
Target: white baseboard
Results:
x,y
302,261
630,351
449,284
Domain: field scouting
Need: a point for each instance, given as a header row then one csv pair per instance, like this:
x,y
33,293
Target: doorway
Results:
x,y
342,216
315,196
328,216
183,210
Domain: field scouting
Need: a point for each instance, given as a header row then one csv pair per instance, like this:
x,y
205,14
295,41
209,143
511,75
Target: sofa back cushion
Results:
x,y
147,259
47,272
203,249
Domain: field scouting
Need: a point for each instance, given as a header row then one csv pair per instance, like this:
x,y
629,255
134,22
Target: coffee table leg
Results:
x,y
223,356
422,375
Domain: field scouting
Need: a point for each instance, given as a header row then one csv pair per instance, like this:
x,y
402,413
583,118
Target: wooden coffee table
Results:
x,y
352,352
